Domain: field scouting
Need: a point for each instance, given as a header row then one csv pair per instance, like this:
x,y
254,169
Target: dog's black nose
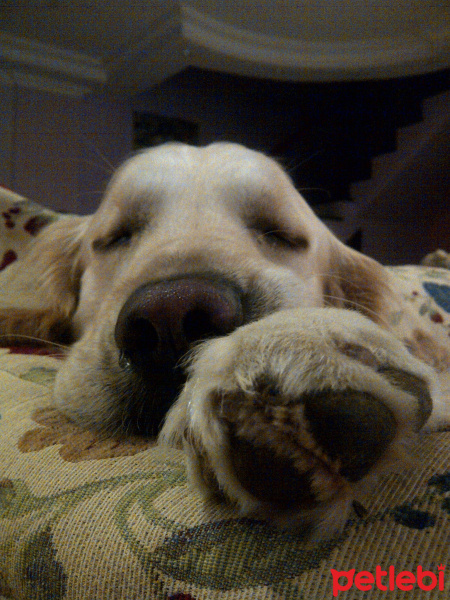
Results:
x,y
159,322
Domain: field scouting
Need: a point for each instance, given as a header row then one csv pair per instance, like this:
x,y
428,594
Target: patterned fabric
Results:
x,y
20,220
83,518
426,294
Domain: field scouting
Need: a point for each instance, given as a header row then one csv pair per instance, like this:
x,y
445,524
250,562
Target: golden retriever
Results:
x,y
205,295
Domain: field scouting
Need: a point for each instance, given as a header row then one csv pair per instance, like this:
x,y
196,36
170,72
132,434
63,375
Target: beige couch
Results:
x,y
82,519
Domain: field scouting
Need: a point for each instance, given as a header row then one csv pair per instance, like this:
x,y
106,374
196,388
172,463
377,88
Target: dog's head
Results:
x,y
188,243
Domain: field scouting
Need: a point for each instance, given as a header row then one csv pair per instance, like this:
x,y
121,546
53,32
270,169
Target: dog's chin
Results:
x,y
147,401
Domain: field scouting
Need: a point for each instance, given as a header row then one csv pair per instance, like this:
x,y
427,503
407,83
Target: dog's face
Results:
x,y
221,213
188,243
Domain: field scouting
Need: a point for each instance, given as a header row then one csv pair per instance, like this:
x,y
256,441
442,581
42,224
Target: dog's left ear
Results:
x,y
356,282
39,292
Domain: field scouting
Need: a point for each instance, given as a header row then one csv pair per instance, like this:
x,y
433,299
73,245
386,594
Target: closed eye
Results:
x,y
281,238
118,238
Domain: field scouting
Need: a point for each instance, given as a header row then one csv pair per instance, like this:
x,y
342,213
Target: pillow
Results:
x,y
20,221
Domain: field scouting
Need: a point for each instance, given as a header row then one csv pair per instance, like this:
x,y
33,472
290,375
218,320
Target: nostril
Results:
x,y
203,323
197,325
142,334
137,339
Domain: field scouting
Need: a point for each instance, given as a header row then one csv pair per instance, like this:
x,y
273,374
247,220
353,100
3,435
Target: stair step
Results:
x,y
384,163
361,189
409,136
437,106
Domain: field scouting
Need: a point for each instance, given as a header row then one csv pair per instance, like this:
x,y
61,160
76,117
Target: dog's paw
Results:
x,y
291,415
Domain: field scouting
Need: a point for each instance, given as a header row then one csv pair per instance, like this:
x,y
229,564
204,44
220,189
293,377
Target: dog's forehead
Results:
x,y
171,167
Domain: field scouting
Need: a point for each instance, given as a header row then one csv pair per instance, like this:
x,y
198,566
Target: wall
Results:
x,y
61,150
226,108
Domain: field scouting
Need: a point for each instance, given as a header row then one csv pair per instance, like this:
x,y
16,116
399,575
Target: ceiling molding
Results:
x,y
382,56
148,61
167,26
46,67
43,83
190,33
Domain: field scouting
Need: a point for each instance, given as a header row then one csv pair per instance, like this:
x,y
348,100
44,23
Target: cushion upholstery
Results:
x,y
85,518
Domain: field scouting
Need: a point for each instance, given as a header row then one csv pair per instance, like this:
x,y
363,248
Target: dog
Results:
x,y
206,302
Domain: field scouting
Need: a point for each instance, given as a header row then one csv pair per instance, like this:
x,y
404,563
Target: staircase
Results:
x,y
412,141
343,133
402,211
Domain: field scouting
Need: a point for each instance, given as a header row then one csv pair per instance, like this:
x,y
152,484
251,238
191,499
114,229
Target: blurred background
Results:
x,y
353,97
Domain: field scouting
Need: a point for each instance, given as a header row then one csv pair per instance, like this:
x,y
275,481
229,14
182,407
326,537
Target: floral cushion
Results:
x,y
88,519
20,221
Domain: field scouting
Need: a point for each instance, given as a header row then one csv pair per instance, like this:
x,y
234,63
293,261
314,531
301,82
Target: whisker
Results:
x,y
315,189
293,164
364,309
31,338
99,154
378,315
339,277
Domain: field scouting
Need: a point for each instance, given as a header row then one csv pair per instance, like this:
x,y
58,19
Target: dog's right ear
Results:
x,y
39,292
